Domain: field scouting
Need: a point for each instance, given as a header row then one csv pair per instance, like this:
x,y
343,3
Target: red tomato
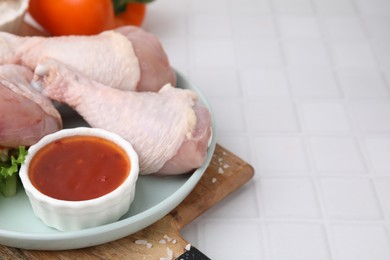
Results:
x,y
78,17
133,15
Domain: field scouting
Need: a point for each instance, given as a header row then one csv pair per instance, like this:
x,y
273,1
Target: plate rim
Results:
x,y
34,240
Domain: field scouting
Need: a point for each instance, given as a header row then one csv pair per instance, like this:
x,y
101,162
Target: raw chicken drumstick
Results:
x,y
155,68
169,129
128,58
25,114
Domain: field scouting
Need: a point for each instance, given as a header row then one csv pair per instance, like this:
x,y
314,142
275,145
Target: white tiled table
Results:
x,y
299,89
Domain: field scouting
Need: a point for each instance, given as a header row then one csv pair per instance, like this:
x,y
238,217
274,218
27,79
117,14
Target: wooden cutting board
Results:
x,y
225,174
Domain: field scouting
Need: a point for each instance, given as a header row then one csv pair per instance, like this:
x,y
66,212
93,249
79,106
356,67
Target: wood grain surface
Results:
x,y
225,174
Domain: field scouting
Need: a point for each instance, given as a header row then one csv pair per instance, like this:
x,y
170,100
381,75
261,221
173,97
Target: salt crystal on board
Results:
x,y
169,253
168,238
140,242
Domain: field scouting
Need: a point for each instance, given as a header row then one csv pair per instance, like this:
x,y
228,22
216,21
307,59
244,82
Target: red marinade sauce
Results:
x,y
79,168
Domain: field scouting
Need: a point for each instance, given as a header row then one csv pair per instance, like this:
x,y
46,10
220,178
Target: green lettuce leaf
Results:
x,y
9,171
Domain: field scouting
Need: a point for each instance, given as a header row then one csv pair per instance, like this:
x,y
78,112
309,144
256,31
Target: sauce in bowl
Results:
x,y
79,168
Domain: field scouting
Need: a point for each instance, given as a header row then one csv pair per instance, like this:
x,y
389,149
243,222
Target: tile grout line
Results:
x,y
331,246
305,136
361,143
370,39
371,176
273,15
248,133
360,137
346,101
312,174
355,133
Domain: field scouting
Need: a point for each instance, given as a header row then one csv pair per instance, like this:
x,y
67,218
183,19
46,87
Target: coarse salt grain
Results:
x,y
220,170
188,247
169,255
162,241
226,166
169,252
174,241
141,242
168,238
214,180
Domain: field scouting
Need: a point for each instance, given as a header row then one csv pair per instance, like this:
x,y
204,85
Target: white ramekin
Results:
x,y
13,24
75,215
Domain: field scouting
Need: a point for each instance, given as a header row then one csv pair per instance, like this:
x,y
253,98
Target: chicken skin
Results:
x,y
128,58
25,114
169,129
155,68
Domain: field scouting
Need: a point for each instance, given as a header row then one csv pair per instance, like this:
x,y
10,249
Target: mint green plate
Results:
x,y
155,197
